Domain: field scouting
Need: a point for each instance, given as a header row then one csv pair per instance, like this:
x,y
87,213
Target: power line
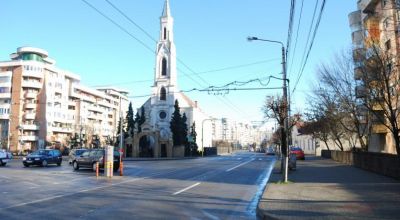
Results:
x,y
290,29
311,45
297,35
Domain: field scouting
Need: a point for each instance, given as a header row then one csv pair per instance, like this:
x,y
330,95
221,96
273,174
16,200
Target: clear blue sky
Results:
x,y
209,35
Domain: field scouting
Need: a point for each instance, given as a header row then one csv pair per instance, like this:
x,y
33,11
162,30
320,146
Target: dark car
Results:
x,y
43,158
298,152
89,159
74,153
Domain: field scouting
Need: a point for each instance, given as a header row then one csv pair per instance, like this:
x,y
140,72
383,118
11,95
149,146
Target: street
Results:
x,y
224,187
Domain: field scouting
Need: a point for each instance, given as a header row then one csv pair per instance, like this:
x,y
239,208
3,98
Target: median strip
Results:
x,y
187,188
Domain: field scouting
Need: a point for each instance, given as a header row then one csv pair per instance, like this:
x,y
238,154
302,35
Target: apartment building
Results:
x,y
375,25
42,105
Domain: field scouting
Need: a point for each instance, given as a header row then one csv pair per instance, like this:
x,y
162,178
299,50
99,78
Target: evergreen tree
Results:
x,y
140,119
175,125
184,133
193,134
137,119
130,120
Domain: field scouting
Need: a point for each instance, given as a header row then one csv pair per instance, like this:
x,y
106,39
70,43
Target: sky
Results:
x,y
210,38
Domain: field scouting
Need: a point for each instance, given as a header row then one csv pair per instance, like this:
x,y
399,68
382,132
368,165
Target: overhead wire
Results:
x,y
297,35
311,45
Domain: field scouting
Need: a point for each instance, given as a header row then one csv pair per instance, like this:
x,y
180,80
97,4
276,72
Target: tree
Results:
x,y
276,108
193,144
130,121
140,119
178,126
380,89
337,79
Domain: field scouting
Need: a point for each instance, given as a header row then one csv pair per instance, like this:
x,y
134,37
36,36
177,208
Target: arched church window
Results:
x,y
164,67
165,33
163,94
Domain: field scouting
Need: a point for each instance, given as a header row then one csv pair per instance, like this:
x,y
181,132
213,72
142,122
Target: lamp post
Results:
x,y
285,138
202,134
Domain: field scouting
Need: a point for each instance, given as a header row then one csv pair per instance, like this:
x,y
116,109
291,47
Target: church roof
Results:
x,y
166,11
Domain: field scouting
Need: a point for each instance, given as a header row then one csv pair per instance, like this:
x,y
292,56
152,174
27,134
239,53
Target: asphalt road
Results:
x,y
224,187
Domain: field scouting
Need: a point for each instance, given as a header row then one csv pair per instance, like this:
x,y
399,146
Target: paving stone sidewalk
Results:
x,y
324,189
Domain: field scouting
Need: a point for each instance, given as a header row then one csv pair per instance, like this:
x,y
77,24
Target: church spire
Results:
x,y
166,11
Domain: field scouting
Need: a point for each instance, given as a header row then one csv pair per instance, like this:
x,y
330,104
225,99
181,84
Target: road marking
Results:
x,y
213,217
187,188
239,165
87,190
239,158
259,159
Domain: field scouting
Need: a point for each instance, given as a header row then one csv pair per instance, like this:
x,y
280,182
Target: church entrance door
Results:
x,y
163,150
146,146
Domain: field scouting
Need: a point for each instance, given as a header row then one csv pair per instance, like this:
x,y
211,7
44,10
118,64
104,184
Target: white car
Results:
x,y
5,157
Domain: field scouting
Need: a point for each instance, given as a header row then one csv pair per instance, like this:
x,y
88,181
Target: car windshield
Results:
x,y
79,152
39,152
296,148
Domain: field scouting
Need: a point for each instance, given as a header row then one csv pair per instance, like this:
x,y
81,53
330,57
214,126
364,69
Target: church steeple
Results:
x,y
165,77
166,11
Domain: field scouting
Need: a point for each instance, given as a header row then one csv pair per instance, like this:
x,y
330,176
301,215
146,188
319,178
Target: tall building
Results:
x,y
375,25
155,140
42,105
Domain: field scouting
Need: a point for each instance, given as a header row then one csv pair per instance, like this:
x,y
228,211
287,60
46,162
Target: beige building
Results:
x,y
42,105
375,24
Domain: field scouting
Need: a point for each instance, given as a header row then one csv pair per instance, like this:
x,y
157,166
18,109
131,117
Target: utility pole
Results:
x,y
285,129
121,133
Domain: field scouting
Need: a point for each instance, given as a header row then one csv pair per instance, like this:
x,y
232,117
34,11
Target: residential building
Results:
x,y
375,25
42,105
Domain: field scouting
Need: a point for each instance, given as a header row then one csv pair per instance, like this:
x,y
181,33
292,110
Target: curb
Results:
x,y
262,214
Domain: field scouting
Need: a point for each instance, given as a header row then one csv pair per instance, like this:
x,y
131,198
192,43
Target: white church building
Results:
x,y
155,139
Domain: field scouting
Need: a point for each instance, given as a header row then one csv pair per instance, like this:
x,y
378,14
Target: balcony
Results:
x,y
379,129
358,73
360,92
94,109
33,74
6,95
32,84
29,138
32,127
30,105
30,116
62,129
359,54
31,95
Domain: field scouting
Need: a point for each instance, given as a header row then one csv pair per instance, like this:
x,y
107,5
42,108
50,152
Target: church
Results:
x,y
155,137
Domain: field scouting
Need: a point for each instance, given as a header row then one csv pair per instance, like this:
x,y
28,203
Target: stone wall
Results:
x,y
385,164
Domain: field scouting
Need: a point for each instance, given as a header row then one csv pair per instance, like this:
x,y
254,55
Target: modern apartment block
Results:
x,y
375,25
42,105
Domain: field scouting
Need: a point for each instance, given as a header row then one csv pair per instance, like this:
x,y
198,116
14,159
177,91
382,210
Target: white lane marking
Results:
x,y
239,158
7,178
213,217
259,159
239,165
187,188
84,190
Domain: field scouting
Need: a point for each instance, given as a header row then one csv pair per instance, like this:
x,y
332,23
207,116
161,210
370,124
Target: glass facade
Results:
x,y
31,56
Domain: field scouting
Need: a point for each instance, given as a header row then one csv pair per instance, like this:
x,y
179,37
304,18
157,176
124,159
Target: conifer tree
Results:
x,y
175,125
130,120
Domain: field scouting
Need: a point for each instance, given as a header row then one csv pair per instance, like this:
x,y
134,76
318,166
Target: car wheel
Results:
x,y
59,163
94,167
1,163
44,163
26,165
75,165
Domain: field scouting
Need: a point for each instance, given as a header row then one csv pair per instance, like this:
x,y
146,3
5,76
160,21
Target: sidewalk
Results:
x,y
325,189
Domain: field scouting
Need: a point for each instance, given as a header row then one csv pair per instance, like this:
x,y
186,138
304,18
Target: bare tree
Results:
x,y
380,87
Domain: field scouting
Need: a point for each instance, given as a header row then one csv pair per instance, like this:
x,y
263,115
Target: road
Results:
x,y
223,187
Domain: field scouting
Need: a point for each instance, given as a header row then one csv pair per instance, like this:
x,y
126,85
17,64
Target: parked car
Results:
x,y
89,158
43,158
298,152
270,151
5,157
74,153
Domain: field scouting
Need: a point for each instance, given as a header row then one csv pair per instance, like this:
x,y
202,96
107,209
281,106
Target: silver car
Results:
x,y
75,153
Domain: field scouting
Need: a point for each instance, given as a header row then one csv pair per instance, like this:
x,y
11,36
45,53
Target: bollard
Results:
x,y
121,169
97,169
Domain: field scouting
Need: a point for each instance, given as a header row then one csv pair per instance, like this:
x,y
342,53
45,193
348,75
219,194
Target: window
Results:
x,y
384,3
163,115
165,33
164,67
387,45
163,94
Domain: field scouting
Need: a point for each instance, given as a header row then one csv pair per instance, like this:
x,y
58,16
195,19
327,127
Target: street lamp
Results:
x,y
202,134
285,138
